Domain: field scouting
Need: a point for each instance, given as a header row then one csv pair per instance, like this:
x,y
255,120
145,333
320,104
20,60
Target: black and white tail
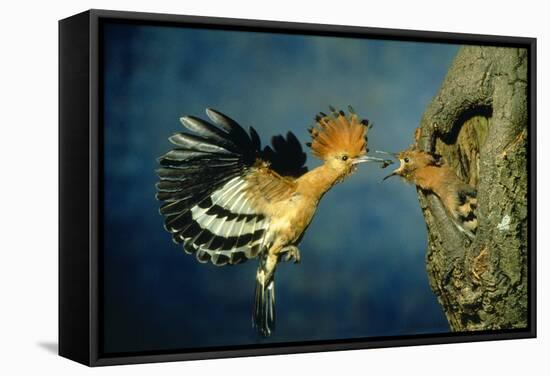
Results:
x,y
263,316
465,212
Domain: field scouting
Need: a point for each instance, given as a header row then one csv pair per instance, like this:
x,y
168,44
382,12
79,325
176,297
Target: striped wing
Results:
x,y
206,192
222,228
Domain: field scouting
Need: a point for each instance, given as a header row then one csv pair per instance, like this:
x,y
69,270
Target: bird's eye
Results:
x,y
407,160
344,157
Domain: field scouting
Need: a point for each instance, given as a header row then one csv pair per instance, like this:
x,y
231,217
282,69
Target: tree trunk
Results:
x,y
478,123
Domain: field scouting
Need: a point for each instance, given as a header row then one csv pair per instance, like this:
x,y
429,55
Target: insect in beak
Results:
x,y
387,153
395,172
368,158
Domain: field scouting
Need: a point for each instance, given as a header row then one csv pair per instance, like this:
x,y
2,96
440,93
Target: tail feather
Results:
x,y
464,213
264,307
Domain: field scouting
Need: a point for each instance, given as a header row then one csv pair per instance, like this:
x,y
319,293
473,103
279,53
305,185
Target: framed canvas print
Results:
x,y
237,187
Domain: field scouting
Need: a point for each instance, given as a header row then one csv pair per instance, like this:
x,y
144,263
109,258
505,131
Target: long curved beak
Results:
x,y
368,158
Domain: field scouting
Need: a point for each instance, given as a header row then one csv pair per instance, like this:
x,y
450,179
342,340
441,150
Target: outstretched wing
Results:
x,y
286,156
207,193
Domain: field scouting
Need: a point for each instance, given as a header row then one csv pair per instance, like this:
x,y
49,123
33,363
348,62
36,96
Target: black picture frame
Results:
x,y
80,197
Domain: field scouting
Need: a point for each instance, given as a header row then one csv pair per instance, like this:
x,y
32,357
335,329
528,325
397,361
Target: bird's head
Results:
x,y
340,140
412,160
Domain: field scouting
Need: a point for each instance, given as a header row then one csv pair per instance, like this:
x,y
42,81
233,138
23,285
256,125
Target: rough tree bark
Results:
x,y
478,123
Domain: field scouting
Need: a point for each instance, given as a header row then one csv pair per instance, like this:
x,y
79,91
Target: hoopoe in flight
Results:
x,y
430,173
228,200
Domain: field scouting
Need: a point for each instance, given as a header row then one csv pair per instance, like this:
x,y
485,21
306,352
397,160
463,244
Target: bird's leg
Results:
x,y
292,253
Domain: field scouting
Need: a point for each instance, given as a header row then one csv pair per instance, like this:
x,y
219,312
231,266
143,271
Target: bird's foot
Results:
x,y
291,253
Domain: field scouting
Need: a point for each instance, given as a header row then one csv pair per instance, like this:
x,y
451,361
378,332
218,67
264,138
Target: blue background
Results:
x,y
363,269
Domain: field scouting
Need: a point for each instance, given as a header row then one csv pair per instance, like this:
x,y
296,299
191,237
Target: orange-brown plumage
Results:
x,y
430,173
252,202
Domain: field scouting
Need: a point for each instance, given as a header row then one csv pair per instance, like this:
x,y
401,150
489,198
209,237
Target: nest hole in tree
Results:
x,y
462,145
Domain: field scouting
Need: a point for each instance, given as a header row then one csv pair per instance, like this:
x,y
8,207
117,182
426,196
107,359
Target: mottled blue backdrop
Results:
x,y
362,272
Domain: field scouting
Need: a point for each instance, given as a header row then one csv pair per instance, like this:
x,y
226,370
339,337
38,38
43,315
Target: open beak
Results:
x,y
368,158
394,173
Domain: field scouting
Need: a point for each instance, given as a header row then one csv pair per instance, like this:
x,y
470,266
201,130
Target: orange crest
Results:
x,y
338,133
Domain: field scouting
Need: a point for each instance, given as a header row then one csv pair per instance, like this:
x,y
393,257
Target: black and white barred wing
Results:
x,y
203,187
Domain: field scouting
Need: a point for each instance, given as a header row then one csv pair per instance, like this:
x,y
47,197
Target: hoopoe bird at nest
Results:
x,y
431,174
227,200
